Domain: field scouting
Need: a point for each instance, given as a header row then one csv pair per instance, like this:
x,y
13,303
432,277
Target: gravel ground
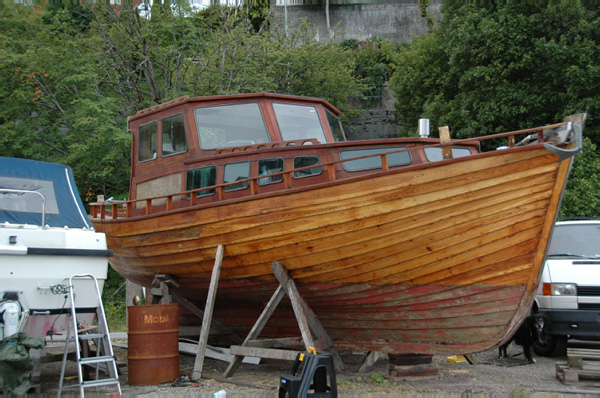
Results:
x,y
491,377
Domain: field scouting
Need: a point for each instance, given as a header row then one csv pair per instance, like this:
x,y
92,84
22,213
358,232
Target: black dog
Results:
x,y
524,336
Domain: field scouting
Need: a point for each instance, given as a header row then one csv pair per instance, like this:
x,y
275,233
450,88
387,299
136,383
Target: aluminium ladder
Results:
x,y
101,340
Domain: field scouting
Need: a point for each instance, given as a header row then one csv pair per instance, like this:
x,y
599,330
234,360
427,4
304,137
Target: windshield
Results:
x,y
580,240
53,182
297,122
225,126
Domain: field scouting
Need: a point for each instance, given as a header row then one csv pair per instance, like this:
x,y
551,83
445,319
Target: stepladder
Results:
x,y
102,362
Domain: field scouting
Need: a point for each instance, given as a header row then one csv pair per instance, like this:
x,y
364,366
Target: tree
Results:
x,y
484,71
53,106
582,197
503,67
70,77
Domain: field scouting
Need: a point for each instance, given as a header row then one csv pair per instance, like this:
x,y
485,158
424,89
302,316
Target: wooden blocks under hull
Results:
x,y
582,367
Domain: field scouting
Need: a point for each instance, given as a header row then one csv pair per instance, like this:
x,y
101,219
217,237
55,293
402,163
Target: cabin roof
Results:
x,y
234,98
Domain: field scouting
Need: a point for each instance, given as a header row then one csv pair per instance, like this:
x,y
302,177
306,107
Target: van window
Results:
x,y
173,135
270,166
147,141
578,240
303,161
202,177
235,172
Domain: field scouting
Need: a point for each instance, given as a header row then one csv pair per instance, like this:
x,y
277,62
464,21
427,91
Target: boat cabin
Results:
x,y
248,144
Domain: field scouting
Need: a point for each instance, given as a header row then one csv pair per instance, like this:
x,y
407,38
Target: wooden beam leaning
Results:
x,y
368,361
307,320
257,328
208,311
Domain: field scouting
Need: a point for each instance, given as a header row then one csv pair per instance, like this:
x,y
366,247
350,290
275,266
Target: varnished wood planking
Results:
x,y
509,203
251,210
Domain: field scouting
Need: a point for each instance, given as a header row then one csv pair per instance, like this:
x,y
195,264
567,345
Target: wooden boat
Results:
x,y
398,245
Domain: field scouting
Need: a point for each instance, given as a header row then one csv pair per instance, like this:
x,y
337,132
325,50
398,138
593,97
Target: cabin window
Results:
x,y
336,127
304,161
199,178
435,154
147,141
225,126
297,122
374,162
173,135
235,172
270,166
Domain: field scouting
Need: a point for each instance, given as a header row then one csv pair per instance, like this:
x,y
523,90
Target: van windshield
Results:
x,y
578,240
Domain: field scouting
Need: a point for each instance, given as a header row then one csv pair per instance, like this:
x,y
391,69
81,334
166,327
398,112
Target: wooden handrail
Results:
x,y
129,205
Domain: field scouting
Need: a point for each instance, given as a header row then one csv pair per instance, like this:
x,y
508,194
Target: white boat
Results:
x,y
45,238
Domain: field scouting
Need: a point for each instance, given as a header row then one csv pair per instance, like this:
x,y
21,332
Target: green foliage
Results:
x,y
53,107
301,66
487,71
582,197
71,76
116,316
374,63
374,59
505,66
113,297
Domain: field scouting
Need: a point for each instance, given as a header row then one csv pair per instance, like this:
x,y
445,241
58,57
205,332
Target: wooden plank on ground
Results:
x,y
272,353
221,354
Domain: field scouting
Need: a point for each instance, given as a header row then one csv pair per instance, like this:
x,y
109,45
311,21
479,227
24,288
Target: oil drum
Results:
x,y
153,340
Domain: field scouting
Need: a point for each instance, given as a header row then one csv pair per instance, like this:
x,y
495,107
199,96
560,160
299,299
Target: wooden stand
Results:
x,y
307,321
582,367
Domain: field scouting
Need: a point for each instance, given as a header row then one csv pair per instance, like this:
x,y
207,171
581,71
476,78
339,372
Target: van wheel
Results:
x,y
548,345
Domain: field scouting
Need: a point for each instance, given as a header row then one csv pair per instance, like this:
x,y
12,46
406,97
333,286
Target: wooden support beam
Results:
x,y
307,321
208,311
299,306
305,315
257,328
368,361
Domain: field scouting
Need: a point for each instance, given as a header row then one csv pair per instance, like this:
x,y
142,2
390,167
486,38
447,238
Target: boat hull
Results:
x,y
41,280
437,258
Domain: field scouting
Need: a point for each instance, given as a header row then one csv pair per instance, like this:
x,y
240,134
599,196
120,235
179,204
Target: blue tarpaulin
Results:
x,y
54,182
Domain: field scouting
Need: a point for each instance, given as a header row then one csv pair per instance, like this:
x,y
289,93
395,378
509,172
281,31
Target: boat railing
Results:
x,y
127,208
26,191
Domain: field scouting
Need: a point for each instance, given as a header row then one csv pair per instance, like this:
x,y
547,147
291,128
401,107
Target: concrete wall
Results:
x,y
379,121
399,21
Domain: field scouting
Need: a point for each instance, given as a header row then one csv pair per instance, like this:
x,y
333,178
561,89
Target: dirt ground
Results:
x,y
492,376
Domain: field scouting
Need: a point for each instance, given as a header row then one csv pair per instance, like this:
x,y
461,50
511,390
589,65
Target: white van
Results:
x,y
569,292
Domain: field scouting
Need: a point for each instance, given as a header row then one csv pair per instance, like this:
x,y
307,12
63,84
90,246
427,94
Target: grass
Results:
x,y
116,316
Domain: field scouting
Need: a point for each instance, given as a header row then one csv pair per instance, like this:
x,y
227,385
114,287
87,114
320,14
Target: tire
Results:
x,y
549,345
